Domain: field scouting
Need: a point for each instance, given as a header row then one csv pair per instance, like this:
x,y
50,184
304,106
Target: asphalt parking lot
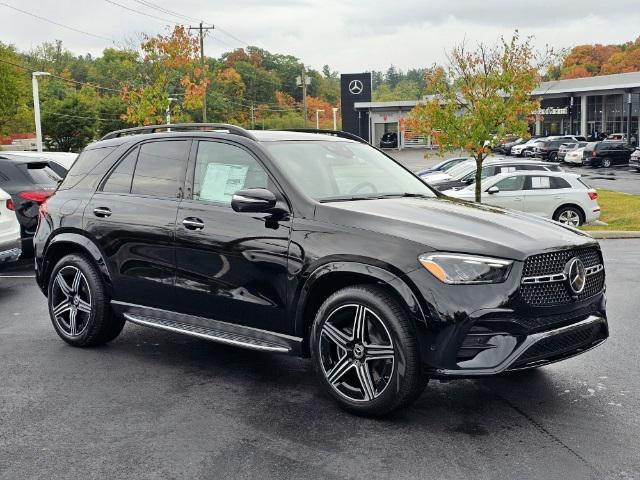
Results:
x,y
153,405
618,178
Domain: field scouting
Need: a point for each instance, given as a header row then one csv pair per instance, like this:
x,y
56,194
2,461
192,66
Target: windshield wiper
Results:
x,y
349,198
405,195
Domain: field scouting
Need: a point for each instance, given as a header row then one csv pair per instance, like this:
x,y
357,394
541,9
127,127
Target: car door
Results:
x,y
132,218
231,266
510,194
541,195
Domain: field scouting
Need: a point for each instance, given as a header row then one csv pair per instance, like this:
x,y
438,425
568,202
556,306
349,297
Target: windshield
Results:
x,y
328,171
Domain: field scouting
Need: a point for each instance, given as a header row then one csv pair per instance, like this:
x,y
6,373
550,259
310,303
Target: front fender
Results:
x,y
396,283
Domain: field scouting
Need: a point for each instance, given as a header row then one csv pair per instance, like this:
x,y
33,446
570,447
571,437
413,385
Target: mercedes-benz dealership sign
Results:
x,y
355,87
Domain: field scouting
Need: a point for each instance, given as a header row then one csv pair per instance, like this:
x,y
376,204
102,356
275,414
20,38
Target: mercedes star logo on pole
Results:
x,y
356,87
576,275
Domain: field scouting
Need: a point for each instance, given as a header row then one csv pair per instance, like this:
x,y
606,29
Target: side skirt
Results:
x,y
208,329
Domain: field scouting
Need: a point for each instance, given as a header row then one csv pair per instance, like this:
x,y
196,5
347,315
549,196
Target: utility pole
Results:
x,y
201,30
36,107
335,121
303,81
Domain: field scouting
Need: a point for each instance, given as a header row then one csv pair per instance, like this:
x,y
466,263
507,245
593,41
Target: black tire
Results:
x,y
97,324
395,389
606,162
553,156
569,211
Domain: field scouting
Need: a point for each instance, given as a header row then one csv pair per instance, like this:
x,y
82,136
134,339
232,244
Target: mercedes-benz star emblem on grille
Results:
x,y
356,87
576,275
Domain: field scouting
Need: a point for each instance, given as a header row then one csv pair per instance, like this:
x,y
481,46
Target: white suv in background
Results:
x,y
9,230
562,196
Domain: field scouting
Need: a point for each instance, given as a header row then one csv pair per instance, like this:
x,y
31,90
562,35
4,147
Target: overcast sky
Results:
x,y
349,35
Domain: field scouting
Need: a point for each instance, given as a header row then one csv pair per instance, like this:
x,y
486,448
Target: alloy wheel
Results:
x,y
569,217
71,301
356,353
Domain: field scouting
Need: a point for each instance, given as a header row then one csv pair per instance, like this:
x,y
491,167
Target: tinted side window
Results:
x,y
511,184
120,179
89,159
160,168
223,169
40,173
557,182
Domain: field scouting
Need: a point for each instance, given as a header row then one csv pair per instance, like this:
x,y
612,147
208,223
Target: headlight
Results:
x,y
457,268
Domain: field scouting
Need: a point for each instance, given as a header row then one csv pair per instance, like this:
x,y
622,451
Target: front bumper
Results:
x,y
634,162
534,350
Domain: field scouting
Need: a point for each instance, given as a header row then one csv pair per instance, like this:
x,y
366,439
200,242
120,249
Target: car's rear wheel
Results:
x,y
569,215
606,162
365,352
79,305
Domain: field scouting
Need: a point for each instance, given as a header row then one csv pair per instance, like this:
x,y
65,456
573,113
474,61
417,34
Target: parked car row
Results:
x,y
532,186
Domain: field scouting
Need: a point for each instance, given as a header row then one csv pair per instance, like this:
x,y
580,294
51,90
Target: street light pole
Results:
x,y
36,107
171,99
335,123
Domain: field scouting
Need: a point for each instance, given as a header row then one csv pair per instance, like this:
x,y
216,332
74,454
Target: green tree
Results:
x,y
70,124
483,97
14,90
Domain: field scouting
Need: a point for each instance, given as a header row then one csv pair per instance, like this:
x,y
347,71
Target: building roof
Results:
x,y
618,81
394,104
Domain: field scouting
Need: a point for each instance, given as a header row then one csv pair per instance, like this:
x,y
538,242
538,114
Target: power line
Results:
x,y
57,23
142,13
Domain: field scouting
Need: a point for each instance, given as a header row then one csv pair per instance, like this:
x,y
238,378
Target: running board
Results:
x,y
209,329
207,334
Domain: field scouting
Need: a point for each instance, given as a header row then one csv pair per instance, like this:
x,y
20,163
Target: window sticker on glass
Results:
x,y
507,169
540,182
221,181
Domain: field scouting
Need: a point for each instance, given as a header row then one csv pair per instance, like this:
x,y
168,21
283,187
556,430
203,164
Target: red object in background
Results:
x,y
38,197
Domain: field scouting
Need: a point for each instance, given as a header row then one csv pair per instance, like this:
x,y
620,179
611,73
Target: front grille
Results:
x,y
558,292
561,344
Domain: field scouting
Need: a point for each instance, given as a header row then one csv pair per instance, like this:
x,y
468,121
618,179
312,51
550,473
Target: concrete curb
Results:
x,y
611,234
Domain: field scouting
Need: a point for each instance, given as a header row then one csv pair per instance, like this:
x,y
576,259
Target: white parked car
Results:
x,y
562,196
574,156
10,241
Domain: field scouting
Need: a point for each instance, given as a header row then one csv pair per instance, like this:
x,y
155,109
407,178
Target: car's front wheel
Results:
x,y
606,162
553,156
79,305
365,352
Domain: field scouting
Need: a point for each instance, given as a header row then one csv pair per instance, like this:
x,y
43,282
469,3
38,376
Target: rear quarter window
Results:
x,y
86,162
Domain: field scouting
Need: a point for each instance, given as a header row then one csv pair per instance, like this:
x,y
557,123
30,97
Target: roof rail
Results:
x,y
335,133
183,127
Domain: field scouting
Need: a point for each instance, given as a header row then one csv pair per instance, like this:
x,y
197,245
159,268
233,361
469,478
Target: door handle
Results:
x,y
193,223
102,212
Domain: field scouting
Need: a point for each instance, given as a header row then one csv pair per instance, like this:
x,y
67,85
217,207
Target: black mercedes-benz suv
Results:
x,y
311,244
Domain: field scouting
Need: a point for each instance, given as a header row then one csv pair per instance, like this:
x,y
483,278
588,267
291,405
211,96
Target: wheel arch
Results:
x,y
331,277
67,243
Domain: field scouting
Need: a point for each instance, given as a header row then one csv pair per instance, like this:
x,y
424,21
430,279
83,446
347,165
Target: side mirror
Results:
x,y
469,181
253,200
492,190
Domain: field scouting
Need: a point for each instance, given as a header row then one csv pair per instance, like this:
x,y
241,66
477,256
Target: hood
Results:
x,y
456,226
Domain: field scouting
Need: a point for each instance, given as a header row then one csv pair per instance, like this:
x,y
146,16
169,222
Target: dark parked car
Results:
x,y
315,245
505,148
29,181
389,140
443,166
634,160
606,153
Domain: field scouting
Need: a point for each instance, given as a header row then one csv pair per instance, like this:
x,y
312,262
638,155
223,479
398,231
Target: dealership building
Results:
x,y
584,106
